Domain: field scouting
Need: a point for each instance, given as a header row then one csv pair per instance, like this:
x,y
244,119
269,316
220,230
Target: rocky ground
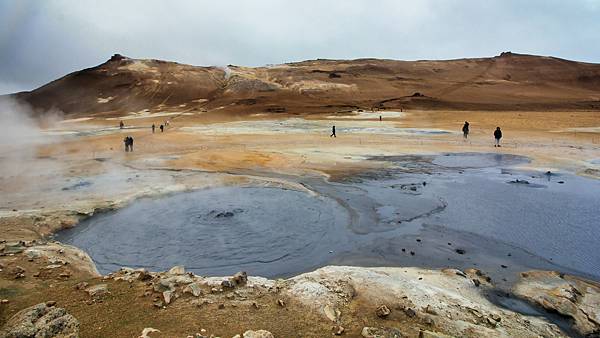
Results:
x,y
50,294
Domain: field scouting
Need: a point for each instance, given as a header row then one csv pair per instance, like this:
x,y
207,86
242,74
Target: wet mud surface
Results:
x,y
450,210
268,231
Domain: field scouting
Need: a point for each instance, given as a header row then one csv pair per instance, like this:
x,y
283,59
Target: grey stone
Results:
x,y
97,290
40,321
383,311
381,332
258,334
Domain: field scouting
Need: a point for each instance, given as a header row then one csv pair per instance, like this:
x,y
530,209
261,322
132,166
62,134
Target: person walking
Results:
x,y
126,141
153,127
332,132
162,128
121,124
465,130
497,136
130,143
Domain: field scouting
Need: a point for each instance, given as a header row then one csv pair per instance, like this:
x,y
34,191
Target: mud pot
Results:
x,y
449,210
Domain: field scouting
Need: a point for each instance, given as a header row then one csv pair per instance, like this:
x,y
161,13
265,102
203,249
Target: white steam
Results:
x,y
20,135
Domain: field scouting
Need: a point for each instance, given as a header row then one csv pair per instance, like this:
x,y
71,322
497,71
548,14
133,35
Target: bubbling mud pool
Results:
x,y
268,231
450,210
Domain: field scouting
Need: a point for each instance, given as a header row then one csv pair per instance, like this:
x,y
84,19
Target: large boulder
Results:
x,y
41,321
567,295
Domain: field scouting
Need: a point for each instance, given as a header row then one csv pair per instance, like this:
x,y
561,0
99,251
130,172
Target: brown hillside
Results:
x,y
506,82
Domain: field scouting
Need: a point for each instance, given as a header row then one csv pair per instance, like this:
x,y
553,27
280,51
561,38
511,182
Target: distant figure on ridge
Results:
x,y
162,128
153,128
121,124
332,132
497,136
465,129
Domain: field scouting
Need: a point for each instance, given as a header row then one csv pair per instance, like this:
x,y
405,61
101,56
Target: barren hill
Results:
x,y
506,82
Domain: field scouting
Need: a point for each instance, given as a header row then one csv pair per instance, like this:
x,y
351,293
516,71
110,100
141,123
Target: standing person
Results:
x,y
153,127
130,143
162,128
465,130
332,132
126,141
380,118
121,124
497,136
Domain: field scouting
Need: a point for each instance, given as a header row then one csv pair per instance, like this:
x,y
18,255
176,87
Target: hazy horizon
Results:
x,y
42,41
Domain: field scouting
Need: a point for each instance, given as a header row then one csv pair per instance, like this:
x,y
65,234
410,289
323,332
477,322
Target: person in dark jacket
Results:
x,y
153,127
332,132
465,129
162,128
497,136
126,141
130,143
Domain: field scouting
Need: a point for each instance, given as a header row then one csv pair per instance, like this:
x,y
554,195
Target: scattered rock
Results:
x,y
14,248
168,296
97,291
147,331
431,310
194,289
177,270
4,301
331,313
280,302
410,312
381,332
18,272
431,334
50,303
240,278
81,286
383,311
258,334
338,330
144,275
227,284
476,282
460,251
41,321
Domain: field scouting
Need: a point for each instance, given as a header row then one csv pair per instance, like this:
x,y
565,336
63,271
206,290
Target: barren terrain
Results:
x,y
394,157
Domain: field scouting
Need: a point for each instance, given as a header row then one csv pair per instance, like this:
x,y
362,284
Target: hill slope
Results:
x,y
506,82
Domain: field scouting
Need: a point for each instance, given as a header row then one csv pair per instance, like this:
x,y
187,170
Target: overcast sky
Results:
x,y
43,40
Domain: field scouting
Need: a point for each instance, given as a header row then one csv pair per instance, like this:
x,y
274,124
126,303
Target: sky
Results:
x,y
41,41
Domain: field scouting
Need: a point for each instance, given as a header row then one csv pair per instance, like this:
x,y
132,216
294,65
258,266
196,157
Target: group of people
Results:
x,y
497,134
129,140
161,127
465,130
